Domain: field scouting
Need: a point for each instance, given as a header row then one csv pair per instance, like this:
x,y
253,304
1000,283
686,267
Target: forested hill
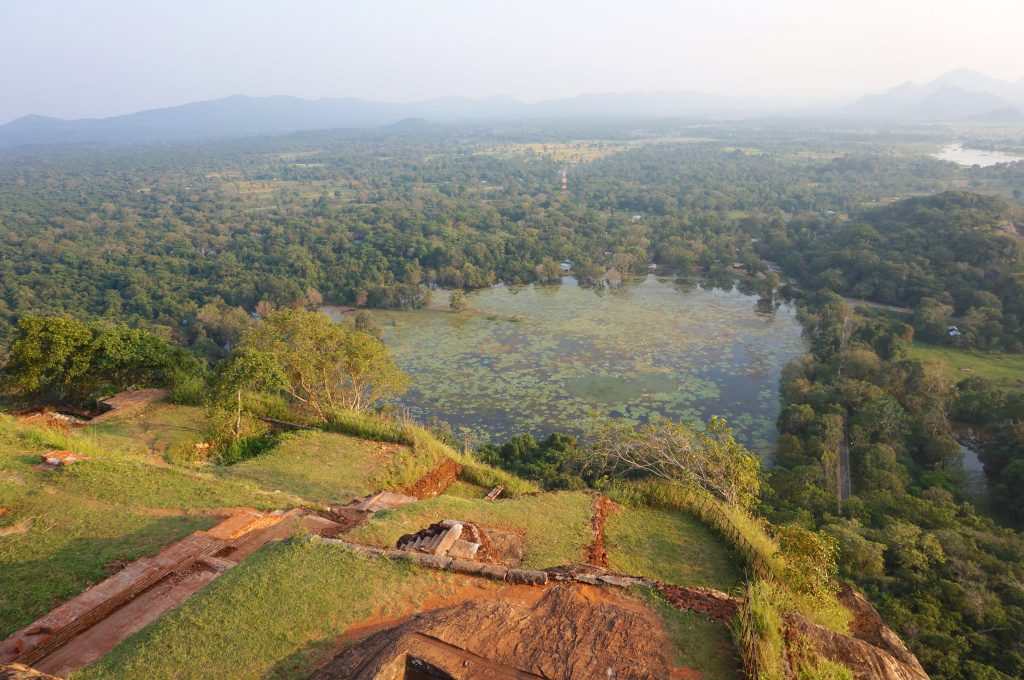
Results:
x,y
955,253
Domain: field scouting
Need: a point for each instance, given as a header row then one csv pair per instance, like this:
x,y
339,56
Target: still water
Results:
x,y
964,156
536,359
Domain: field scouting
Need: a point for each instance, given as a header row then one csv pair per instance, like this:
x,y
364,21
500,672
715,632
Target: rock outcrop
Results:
x,y
573,632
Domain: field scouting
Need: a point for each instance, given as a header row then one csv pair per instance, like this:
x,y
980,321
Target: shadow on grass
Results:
x,y
32,587
300,663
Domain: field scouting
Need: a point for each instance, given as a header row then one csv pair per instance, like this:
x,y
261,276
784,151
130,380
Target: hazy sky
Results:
x,y
75,58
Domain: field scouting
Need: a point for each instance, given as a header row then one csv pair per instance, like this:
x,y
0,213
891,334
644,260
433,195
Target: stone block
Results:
x,y
464,549
466,567
447,540
528,577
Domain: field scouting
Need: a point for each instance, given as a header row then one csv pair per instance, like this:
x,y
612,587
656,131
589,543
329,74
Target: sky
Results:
x,y
94,58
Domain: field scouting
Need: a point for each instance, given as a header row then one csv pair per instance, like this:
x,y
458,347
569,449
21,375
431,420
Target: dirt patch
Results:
x,y
501,547
572,631
597,554
716,604
346,518
435,483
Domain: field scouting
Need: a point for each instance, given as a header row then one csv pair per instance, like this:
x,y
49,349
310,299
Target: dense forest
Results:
x,y
165,255
953,256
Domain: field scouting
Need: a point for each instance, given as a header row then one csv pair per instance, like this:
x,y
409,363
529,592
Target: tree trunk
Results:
x,y
238,417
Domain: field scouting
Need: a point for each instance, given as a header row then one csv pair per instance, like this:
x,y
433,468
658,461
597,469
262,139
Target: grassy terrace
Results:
x,y
556,525
80,522
69,528
669,546
701,644
1005,370
318,466
153,428
276,615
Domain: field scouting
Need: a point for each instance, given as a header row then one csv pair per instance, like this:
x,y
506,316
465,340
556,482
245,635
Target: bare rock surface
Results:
x,y
572,632
867,661
17,671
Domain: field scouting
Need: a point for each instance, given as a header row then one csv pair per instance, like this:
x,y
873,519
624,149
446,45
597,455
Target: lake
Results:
x,y
963,156
536,359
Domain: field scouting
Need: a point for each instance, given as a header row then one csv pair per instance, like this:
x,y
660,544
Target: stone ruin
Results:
x,y
448,538
57,459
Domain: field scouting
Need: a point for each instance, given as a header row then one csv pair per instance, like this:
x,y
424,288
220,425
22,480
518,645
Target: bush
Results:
x,y
187,388
237,450
187,454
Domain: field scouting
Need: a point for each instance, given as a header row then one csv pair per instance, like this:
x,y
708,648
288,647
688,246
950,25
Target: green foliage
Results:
x,y
708,459
244,448
940,574
325,366
457,301
553,462
248,370
810,560
901,254
758,634
63,359
1004,465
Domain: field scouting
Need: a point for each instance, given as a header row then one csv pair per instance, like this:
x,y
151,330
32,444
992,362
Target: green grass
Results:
x,y
114,507
701,644
1005,370
758,631
669,546
461,489
271,616
155,427
556,525
318,466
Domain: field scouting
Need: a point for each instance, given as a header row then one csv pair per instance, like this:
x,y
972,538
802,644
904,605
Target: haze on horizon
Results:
x,y
72,59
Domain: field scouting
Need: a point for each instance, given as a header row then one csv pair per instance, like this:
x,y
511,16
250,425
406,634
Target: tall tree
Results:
x,y
326,366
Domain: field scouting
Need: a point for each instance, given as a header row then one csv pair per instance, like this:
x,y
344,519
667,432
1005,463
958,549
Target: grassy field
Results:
x,y
318,466
274,616
1005,370
670,546
556,525
584,150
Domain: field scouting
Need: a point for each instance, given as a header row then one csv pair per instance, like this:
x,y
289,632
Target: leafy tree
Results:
x,y
709,459
457,301
248,370
326,366
63,359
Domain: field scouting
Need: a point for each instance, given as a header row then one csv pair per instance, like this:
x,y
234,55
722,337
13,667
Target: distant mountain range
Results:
x,y
957,95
